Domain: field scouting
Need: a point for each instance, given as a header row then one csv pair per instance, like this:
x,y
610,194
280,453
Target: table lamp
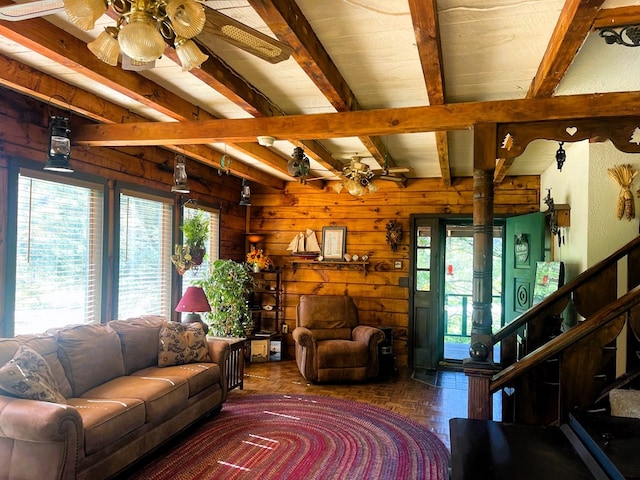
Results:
x,y
194,300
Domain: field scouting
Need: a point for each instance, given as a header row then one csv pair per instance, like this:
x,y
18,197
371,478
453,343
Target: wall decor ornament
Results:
x,y
624,175
394,234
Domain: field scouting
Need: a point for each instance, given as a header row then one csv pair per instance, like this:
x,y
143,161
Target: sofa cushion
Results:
x,y
182,343
47,347
90,355
198,375
139,340
27,375
163,396
105,421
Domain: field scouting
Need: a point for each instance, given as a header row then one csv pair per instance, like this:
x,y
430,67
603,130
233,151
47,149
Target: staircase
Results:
x,y
555,384
546,373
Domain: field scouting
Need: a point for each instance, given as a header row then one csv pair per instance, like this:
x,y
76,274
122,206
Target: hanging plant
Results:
x,y
182,259
624,175
195,229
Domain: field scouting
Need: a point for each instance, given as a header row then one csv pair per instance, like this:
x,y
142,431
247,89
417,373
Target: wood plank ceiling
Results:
x,y
399,81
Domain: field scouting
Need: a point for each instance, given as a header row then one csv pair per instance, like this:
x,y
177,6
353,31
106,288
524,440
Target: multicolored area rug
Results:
x,y
262,437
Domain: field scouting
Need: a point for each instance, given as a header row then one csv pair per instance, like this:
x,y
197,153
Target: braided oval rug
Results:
x,y
263,437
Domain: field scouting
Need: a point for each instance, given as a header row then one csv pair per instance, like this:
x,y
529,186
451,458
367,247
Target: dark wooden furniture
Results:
x,y
235,363
486,450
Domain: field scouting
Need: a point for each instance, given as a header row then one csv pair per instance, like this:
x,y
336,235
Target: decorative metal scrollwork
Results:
x,y
628,36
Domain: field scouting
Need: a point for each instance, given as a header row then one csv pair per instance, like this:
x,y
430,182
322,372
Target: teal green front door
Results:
x,y
524,244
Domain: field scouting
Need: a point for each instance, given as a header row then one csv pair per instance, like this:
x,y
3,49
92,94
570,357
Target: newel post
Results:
x,y
479,368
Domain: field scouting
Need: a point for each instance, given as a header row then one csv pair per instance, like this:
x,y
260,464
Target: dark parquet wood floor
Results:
x,y
429,405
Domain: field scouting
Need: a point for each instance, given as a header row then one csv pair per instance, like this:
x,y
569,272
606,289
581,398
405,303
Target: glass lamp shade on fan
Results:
x,y
194,300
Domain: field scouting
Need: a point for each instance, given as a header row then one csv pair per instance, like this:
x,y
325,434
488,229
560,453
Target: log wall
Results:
x,y
380,299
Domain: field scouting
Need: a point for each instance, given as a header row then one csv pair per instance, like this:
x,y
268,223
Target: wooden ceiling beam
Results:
x,y
573,26
33,83
288,23
457,116
45,39
617,17
427,31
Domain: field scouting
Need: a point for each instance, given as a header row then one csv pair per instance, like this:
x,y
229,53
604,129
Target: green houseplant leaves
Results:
x,y
227,288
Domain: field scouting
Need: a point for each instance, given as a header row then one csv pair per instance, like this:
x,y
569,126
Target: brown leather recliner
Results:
x,y
330,344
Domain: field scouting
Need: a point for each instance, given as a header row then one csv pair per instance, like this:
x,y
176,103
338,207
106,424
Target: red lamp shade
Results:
x,y
193,300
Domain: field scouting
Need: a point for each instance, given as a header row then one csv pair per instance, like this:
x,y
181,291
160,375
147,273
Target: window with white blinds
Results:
x,y
58,252
212,246
145,248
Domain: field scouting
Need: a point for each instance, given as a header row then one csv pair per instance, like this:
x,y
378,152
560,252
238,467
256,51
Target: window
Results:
x,y
58,252
423,260
212,246
144,262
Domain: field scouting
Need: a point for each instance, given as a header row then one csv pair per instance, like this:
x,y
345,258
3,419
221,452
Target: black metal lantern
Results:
x,y
561,156
245,194
180,176
59,151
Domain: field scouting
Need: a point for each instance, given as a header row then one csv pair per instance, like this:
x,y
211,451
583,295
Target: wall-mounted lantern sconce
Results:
x,y
245,194
180,176
561,156
59,151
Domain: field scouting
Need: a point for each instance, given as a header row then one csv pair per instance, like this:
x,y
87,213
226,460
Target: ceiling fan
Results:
x,y
357,169
175,22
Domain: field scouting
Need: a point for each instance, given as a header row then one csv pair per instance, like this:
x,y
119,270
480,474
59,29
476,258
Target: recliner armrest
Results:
x,y
366,334
303,336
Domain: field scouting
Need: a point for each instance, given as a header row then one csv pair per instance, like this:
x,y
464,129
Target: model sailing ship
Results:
x,y
305,245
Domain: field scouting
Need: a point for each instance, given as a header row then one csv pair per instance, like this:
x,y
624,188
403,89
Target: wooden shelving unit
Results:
x,y
358,265
266,311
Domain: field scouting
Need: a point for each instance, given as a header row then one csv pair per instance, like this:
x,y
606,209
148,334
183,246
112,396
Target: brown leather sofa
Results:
x,y
115,403
330,344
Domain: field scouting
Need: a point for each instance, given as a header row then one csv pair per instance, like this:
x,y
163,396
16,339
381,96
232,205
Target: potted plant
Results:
x,y
182,258
227,288
195,229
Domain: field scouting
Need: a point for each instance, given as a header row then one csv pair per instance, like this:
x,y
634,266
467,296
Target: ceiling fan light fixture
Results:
x,y
187,17
140,39
106,46
84,13
189,54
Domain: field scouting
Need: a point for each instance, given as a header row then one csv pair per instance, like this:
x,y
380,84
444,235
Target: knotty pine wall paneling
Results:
x,y
380,298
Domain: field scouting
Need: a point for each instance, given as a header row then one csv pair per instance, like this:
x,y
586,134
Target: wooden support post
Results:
x,y
480,400
479,369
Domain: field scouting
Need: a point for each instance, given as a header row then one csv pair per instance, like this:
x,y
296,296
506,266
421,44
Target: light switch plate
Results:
x,y
397,264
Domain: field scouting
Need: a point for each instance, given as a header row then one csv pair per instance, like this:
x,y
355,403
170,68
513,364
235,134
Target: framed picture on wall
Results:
x,y
334,240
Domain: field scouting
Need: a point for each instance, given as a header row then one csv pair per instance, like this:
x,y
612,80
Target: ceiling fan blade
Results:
x,y
25,11
398,170
243,37
391,178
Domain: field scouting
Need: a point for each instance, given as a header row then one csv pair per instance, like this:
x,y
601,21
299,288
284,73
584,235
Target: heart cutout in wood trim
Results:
x,y
571,130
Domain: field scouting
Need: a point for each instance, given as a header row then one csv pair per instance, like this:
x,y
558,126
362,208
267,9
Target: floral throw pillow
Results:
x,y
182,343
27,375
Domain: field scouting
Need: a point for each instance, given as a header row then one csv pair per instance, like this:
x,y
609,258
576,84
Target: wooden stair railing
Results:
x,y
579,354
588,293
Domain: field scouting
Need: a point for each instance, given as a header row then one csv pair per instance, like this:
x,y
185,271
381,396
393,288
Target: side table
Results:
x,y
235,364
